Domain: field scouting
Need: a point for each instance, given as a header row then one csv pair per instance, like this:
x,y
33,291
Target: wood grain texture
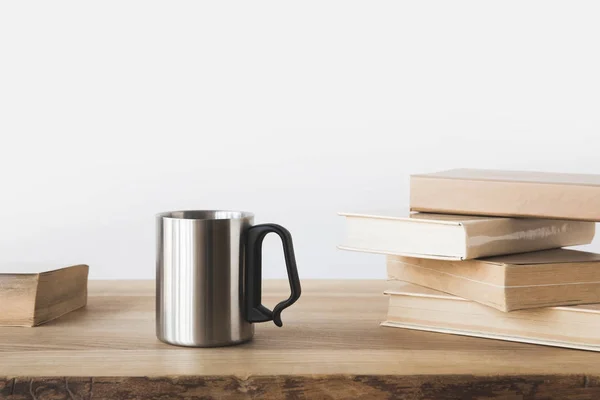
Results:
x,y
303,387
333,330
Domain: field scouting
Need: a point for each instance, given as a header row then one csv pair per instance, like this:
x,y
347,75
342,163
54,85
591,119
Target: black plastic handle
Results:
x,y
255,311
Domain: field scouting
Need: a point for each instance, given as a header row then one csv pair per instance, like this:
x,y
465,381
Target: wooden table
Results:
x,y
331,346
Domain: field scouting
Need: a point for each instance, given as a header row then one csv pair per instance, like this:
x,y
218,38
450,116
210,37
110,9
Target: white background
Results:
x,y
112,111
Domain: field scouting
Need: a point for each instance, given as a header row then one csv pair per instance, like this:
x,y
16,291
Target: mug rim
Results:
x,y
205,215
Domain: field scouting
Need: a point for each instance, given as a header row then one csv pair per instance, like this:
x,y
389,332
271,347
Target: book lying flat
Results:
x,y
458,237
507,193
33,298
414,307
511,282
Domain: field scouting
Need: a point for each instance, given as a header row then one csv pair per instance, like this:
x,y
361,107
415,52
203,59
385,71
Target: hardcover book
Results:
x,y
458,237
507,193
414,307
510,282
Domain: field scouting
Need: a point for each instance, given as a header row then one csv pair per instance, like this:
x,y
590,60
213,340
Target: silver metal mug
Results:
x,y
208,277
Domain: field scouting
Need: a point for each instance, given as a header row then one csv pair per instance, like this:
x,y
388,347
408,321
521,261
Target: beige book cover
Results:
x,y
511,282
507,193
415,307
458,237
33,298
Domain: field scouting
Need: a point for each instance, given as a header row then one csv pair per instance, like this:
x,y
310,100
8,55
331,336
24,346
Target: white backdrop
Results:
x,y
112,111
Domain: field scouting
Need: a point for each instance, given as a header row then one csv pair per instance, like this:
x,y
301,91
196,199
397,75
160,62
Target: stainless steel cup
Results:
x,y
208,277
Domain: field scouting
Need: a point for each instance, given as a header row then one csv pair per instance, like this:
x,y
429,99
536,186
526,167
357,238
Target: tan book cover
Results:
x,y
507,193
458,237
414,307
511,282
33,298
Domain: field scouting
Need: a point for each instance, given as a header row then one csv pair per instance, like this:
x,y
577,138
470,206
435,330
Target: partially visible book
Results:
x,y
414,307
458,237
30,299
511,282
507,193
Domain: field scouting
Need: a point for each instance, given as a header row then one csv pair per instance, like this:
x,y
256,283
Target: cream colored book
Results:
x,y
33,298
507,193
414,307
458,237
511,282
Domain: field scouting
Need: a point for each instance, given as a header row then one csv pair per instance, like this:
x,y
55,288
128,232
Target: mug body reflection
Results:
x,y
199,278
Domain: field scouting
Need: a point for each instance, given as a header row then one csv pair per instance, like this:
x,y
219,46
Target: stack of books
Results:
x,y
481,253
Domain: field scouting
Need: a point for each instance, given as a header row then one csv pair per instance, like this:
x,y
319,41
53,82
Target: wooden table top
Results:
x,y
332,333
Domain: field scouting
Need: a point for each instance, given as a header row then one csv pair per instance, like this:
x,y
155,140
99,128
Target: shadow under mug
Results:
x,y
208,277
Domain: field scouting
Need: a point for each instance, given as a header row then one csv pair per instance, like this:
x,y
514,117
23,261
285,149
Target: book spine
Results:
x,y
519,235
504,198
